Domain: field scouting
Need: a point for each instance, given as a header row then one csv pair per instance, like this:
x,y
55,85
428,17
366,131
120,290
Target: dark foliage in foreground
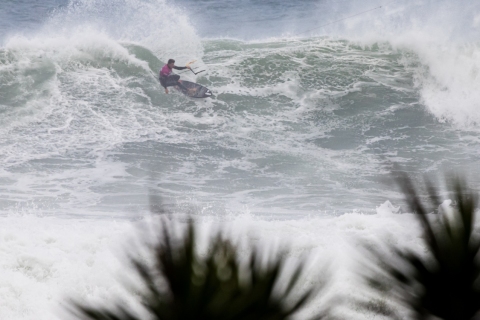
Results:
x,y
181,284
443,283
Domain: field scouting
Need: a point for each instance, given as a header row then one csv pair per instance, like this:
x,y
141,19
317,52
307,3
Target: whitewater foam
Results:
x,y
45,261
449,85
157,24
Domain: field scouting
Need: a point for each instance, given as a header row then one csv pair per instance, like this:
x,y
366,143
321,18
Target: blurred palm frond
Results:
x,y
443,282
182,284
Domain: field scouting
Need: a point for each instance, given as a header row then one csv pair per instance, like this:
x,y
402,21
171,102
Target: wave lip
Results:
x,y
449,82
160,26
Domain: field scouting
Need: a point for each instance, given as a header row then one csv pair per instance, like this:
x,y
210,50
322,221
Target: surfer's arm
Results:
x,y
181,68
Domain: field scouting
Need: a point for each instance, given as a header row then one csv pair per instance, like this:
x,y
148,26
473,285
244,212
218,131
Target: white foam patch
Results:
x,y
387,208
155,24
450,86
46,260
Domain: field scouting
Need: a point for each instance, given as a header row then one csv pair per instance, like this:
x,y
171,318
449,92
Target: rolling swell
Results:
x,y
300,124
290,119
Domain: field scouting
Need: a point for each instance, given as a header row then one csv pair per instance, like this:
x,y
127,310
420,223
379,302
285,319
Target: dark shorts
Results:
x,y
170,81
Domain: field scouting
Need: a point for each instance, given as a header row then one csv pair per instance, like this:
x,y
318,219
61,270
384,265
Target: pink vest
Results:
x,y
166,71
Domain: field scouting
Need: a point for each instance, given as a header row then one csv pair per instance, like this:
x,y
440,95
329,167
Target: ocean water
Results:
x,y
318,104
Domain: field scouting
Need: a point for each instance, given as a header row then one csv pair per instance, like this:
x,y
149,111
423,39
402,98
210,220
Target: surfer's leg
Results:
x,y
163,82
172,80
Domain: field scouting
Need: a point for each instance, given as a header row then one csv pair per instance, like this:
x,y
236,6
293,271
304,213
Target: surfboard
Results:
x,y
194,90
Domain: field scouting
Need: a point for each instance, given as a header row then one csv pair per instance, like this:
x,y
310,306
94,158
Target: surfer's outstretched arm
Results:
x,y
181,68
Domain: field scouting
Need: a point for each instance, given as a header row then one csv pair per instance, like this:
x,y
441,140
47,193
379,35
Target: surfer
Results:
x,y
167,79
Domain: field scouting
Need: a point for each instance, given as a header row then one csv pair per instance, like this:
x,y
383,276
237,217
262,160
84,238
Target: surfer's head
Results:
x,y
171,63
